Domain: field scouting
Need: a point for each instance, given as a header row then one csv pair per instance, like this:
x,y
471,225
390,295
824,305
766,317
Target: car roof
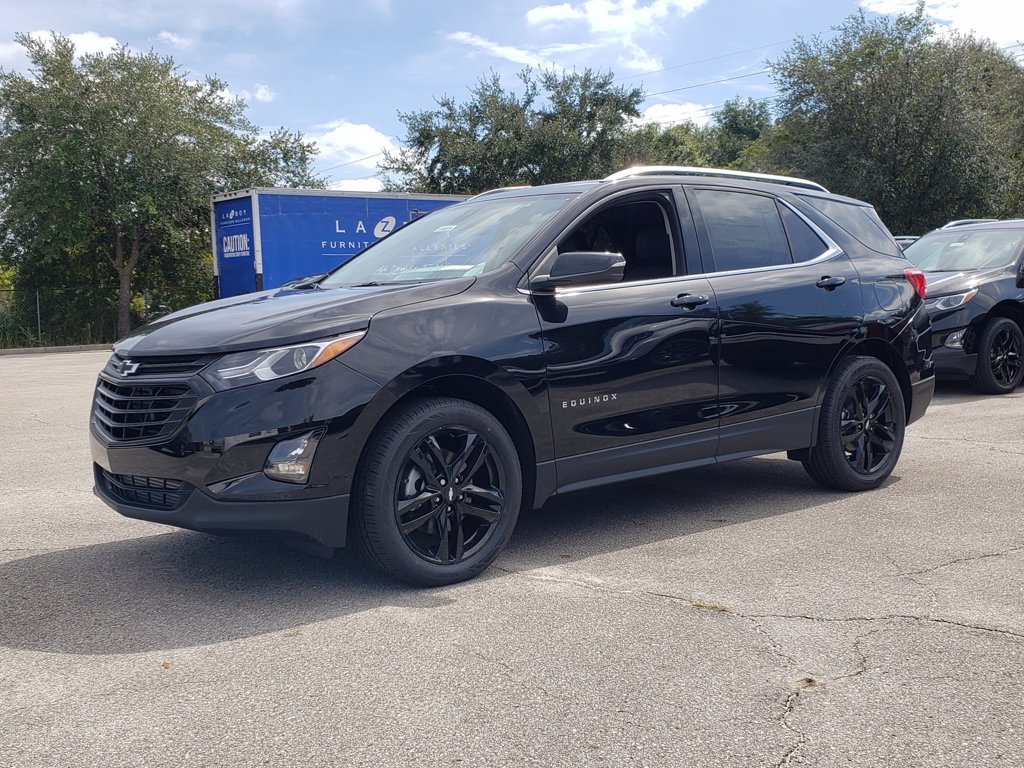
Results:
x,y
995,224
646,180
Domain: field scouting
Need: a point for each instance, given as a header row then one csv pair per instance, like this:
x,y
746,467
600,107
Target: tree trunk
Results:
x,y
124,301
125,268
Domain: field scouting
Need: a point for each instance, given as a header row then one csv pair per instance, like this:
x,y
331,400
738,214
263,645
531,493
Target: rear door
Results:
x,y
789,302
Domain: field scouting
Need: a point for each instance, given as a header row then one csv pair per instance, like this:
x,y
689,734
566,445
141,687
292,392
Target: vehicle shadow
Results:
x,y
184,589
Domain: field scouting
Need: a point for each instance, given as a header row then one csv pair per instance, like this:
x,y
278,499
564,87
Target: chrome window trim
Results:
x,y
831,251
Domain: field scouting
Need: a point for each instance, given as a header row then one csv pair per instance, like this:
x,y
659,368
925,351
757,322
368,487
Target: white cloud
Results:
x,y
370,184
356,145
85,42
13,54
507,52
667,115
263,93
549,14
10,53
998,20
177,41
617,21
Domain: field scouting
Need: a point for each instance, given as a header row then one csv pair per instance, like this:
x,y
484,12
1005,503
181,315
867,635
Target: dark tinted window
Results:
x,y
745,230
860,221
640,230
805,244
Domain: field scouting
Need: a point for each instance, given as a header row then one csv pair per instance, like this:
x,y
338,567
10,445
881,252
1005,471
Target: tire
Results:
x,y
860,429
417,514
1000,367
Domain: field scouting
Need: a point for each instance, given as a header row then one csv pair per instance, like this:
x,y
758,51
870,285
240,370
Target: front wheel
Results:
x,y
438,493
861,427
1000,367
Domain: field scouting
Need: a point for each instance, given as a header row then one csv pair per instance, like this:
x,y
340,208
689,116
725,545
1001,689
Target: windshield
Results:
x,y
956,250
461,240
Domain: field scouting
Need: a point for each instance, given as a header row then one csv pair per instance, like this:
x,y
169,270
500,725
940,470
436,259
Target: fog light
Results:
x,y
291,459
955,340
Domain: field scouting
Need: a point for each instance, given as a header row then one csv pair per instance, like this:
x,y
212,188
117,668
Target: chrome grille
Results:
x,y
139,412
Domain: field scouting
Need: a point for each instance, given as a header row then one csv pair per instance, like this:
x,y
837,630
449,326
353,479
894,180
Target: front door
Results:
x,y
631,367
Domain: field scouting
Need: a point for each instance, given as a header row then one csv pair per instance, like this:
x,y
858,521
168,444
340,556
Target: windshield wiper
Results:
x,y
371,284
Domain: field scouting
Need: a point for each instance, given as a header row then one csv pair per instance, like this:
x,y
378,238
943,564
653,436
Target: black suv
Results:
x,y
522,344
976,301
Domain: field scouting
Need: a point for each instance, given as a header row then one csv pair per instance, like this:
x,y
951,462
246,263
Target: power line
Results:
x,y
352,162
702,61
709,82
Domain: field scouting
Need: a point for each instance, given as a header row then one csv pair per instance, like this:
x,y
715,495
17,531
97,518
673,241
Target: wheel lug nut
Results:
x,y
443,482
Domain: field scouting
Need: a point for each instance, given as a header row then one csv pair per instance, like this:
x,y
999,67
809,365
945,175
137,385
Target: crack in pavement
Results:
x,y
892,617
961,560
802,684
599,586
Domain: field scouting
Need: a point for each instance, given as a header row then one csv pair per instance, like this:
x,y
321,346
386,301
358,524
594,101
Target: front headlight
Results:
x,y
953,301
241,368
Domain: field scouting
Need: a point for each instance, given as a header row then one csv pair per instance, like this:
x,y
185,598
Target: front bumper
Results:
x,y
322,520
207,474
954,363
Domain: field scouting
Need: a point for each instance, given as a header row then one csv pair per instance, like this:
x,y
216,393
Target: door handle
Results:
x,y
688,301
830,283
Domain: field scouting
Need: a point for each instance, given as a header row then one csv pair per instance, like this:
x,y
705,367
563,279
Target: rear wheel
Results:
x,y
439,492
1000,367
861,427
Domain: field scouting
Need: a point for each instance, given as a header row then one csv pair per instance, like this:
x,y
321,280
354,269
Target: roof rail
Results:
x,y
685,170
496,190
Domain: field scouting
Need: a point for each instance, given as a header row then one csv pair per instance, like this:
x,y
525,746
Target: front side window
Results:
x,y
745,230
462,240
639,230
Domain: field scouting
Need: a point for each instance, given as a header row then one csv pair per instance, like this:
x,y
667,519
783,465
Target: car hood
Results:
x,y
944,283
280,316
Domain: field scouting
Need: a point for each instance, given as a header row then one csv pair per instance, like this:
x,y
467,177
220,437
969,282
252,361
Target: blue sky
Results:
x,y
341,71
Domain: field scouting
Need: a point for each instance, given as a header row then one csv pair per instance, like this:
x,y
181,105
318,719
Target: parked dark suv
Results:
x,y
976,301
522,344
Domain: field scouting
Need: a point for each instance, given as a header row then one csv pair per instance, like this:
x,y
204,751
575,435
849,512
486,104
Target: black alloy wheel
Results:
x,y
449,495
437,493
860,429
1000,368
867,424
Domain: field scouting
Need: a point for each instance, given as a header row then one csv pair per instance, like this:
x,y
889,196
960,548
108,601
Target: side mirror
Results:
x,y
580,268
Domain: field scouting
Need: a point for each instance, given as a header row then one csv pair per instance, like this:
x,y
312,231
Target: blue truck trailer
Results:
x,y
264,238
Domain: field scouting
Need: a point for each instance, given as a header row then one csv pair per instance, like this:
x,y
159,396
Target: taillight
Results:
x,y
918,280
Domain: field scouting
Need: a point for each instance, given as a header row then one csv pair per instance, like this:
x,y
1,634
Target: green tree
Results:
x,y
108,161
681,144
559,127
925,127
735,126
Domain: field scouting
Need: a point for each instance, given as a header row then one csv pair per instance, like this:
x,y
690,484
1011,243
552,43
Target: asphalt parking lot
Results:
x,y
731,616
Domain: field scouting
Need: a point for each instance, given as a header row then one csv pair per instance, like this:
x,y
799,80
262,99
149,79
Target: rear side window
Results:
x,y
805,243
745,230
859,220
